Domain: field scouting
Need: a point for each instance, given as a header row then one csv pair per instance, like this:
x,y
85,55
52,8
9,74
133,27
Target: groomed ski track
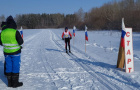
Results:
x,y
46,66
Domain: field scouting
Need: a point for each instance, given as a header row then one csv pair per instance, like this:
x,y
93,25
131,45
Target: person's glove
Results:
x,y
21,47
63,38
70,37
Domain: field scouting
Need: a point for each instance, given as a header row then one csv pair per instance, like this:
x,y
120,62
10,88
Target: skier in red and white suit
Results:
x,y
66,35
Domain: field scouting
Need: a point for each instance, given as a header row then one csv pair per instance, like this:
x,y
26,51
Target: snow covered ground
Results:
x,y
46,66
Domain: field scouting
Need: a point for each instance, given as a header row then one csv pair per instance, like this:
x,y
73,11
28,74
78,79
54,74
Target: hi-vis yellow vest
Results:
x,y
8,38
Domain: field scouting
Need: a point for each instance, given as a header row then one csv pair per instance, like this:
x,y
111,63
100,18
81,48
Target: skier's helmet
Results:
x,y
66,28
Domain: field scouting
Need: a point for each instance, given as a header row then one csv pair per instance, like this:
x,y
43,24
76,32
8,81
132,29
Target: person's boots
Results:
x,y
9,78
15,80
5,68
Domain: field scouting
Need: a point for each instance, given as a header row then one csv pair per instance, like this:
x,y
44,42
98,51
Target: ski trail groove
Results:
x,y
127,79
96,74
39,53
48,65
86,69
90,58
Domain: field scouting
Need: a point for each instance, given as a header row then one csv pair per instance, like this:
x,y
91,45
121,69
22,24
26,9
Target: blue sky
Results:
x,y
13,7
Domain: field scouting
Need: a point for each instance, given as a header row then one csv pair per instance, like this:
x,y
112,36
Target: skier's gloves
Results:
x,y
70,37
63,38
21,47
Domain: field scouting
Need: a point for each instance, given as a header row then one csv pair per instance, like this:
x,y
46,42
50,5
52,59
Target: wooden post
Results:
x,y
73,40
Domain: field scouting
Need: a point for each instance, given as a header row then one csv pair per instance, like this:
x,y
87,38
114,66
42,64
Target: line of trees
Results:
x,y
106,17
109,15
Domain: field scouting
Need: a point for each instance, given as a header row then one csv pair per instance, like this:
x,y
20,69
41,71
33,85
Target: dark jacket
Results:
x,y
3,25
10,23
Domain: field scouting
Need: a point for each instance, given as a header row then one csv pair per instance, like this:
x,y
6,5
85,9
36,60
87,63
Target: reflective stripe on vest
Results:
x,y
10,44
12,47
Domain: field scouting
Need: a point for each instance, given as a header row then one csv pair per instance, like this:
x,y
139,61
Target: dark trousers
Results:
x,y
67,42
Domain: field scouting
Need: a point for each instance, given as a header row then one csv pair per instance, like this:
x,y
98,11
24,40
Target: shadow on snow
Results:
x,y
2,77
108,67
56,50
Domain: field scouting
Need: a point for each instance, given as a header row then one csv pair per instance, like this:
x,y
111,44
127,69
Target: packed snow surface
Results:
x,y
46,66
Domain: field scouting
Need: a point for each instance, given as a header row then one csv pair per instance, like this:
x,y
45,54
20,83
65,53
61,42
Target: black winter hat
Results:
x,y
66,28
9,18
11,23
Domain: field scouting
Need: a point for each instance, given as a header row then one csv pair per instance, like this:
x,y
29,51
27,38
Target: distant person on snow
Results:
x,y
11,40
66,35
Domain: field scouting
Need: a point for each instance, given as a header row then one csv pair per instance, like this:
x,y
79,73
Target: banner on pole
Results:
x,y
129,60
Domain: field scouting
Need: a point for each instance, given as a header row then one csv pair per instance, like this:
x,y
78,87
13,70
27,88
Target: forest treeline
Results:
x,y
106,17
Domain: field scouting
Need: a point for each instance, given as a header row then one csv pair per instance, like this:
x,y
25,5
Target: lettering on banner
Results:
x,y
129,69
129,51
128,43
129,60
127,34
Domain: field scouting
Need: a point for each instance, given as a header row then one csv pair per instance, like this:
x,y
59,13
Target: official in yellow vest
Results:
x,y
11,40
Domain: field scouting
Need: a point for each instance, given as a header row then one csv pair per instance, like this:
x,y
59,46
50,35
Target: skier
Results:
x,y
3,26
11,40
66,35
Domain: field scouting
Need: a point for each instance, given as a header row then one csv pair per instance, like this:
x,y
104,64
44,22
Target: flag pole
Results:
x,y
85,37
74,28
121,53
85,46
73,40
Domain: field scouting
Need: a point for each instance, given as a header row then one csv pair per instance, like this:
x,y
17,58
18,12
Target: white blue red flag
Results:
x,y
123,34
21,32
86,34
74,31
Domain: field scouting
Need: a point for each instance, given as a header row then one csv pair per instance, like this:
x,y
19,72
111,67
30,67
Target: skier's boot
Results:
x,y
69,51
15,81
9,78
66,51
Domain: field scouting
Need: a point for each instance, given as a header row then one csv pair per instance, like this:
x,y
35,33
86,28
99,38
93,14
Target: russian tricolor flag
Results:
x,y
21,32
74,28
86,34
123,34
